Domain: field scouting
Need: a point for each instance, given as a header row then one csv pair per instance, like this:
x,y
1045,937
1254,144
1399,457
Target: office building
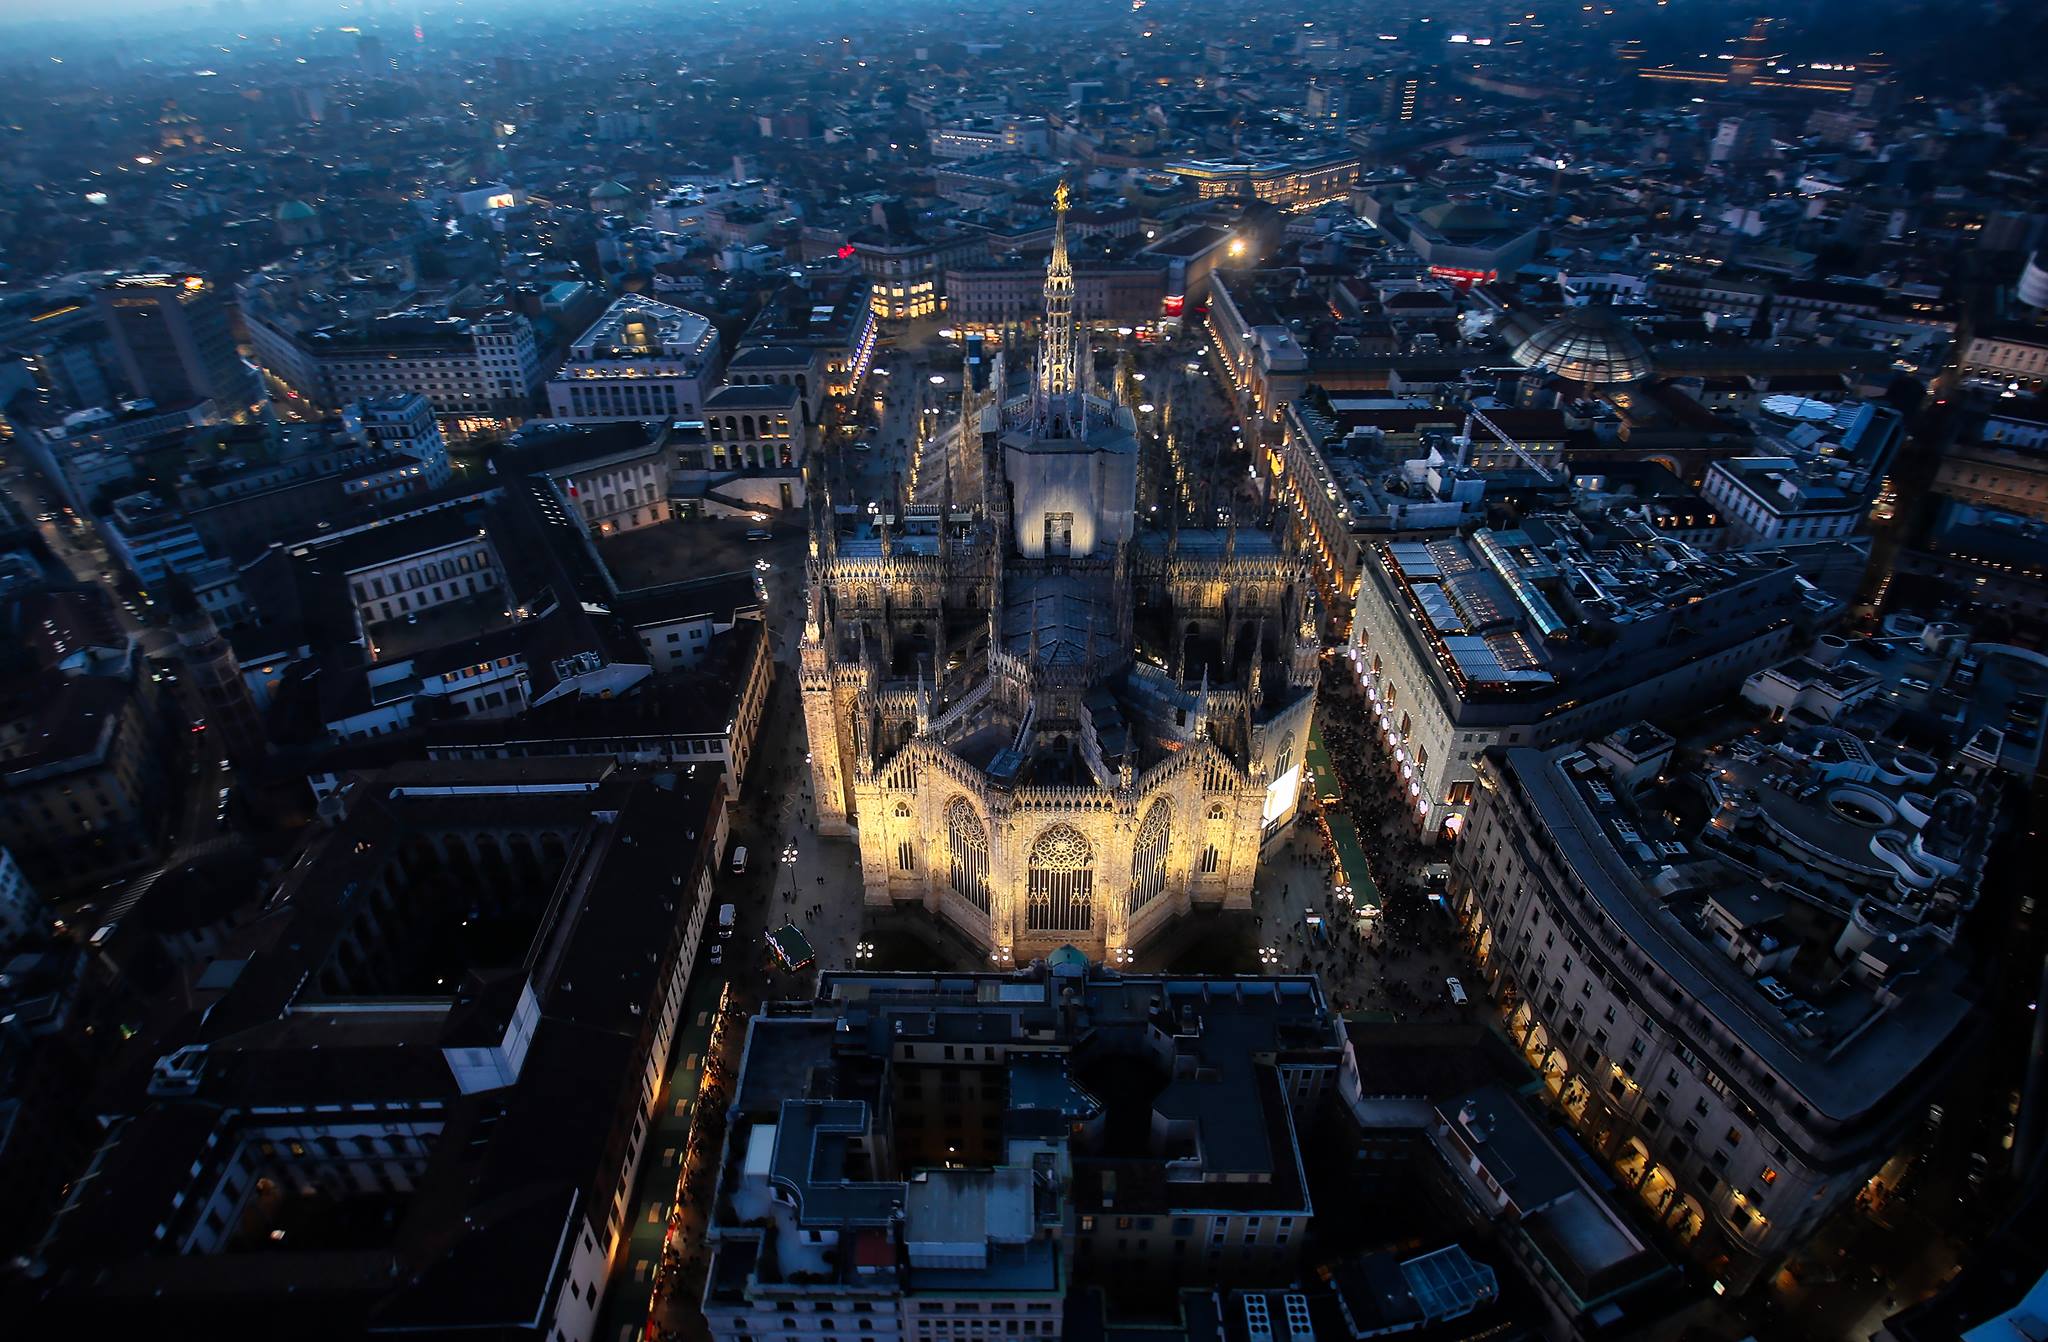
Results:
x,y
175,347
923,1158
643,360
827,313
1296,184
92,452
1744,1016
1551,630
1405,94
1822,483
477,374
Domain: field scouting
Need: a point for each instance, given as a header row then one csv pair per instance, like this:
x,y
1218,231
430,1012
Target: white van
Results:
x,y
1457,992
739,859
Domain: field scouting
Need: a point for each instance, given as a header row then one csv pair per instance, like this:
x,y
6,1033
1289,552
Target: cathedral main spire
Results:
x,y
1058,407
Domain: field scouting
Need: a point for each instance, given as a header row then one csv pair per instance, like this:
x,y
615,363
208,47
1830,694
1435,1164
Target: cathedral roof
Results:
x,y
1075,620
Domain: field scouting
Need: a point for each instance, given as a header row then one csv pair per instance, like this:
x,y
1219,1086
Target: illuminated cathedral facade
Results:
x,y
1047,724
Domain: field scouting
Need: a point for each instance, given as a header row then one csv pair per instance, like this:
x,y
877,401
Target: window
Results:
x,y
1148,861
967,851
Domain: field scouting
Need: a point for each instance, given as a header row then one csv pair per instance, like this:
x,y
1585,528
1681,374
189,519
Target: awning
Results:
x,y
1328,789
791,946
1351,868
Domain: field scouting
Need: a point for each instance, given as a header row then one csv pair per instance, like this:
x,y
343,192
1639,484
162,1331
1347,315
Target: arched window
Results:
x,y
903,810
1284,760
1216,810
1148,858
1061,889
967,846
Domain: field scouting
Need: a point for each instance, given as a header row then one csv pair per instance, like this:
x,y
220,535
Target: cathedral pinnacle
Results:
x,y
1057,396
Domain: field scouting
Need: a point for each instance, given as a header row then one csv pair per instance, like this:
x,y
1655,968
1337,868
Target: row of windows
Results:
x,y
433,571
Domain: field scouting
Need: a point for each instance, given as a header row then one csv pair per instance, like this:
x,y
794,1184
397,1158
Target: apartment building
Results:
x,y
81,780
615,475
415,562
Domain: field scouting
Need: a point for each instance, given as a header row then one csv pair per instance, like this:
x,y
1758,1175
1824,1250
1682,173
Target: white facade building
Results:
x,y
484,369
643,360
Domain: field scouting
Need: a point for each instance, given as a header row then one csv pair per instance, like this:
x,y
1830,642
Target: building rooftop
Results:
x,y
1550,604
1206,1125
639,328
1841,1042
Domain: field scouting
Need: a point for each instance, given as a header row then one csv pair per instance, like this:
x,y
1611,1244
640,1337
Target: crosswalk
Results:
x,y
139,888
132,896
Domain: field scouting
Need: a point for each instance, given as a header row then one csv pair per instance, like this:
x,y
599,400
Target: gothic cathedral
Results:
x,y
1048,724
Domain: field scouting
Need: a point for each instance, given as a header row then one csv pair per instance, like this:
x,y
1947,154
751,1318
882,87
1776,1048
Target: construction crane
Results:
x,y
1474,415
